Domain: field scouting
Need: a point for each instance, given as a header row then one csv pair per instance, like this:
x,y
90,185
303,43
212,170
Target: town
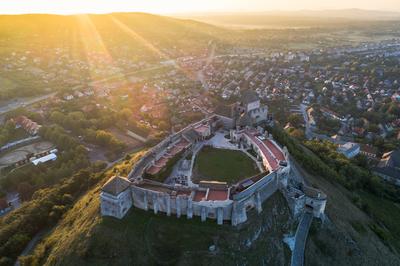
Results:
x,y
209,123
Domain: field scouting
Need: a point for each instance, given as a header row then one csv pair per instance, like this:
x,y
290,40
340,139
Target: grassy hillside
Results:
x,y
362,228
346,238
83,237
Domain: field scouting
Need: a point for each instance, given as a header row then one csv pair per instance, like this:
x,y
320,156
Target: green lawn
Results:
x,y
223,165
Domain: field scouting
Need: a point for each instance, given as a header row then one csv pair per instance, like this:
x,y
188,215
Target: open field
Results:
x,y
223,165
21,153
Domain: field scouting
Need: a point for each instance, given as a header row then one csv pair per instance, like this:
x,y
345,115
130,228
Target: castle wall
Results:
x,y
227,122
259,115
266,185
234,210
318,206
295,198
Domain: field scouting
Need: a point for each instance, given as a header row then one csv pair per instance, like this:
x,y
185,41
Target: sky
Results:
x,y
182,6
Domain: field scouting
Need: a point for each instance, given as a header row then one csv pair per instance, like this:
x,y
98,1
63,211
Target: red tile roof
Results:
x,y
267,154
171,152
152,170
275,150
217,194
199,196
271,152
202,128
27,124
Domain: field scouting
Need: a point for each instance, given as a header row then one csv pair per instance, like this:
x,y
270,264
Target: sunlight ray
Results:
x,y
189,74
96,52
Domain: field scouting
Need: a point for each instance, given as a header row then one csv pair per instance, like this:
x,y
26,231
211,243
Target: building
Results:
x,y
49,157
249,112
28,125
349,149
267,150
389,167
331,114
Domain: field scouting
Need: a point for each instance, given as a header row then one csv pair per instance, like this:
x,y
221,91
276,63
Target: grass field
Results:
x,y
223,165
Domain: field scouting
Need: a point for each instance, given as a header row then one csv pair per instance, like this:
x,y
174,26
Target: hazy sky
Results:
x,y
178,6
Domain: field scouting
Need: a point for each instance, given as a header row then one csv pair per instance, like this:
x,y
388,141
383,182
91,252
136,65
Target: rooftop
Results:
x,y
249,96
116,185
268,154
214,194
49,157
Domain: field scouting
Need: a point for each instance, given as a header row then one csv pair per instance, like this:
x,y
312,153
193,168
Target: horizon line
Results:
x,y
199,12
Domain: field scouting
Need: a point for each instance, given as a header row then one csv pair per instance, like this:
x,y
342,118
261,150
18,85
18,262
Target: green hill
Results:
x,y
83,237
348,237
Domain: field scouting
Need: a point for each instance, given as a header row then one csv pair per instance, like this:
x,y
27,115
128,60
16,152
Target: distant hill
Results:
x,y
353,14
294,19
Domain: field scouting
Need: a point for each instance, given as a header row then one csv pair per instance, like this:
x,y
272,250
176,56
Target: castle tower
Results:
x,y
115,197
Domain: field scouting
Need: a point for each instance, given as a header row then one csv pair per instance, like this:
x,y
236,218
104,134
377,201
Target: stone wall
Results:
x,y
116,206
266,185
318,206
172,201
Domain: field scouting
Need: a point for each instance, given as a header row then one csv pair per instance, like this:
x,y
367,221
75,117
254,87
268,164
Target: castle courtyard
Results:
x,y
223,165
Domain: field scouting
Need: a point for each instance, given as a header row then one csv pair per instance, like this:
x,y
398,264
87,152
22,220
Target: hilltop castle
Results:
x,y
179,195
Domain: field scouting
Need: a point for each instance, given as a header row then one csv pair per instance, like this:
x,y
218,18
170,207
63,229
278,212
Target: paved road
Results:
x,y
308,132
301,239
21,102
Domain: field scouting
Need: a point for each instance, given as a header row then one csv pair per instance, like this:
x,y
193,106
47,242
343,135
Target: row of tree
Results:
x,y
333,166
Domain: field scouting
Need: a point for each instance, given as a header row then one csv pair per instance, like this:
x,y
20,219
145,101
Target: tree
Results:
x,y
16,243
295,119
298,134
373,128
103,138
25,190
125,114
